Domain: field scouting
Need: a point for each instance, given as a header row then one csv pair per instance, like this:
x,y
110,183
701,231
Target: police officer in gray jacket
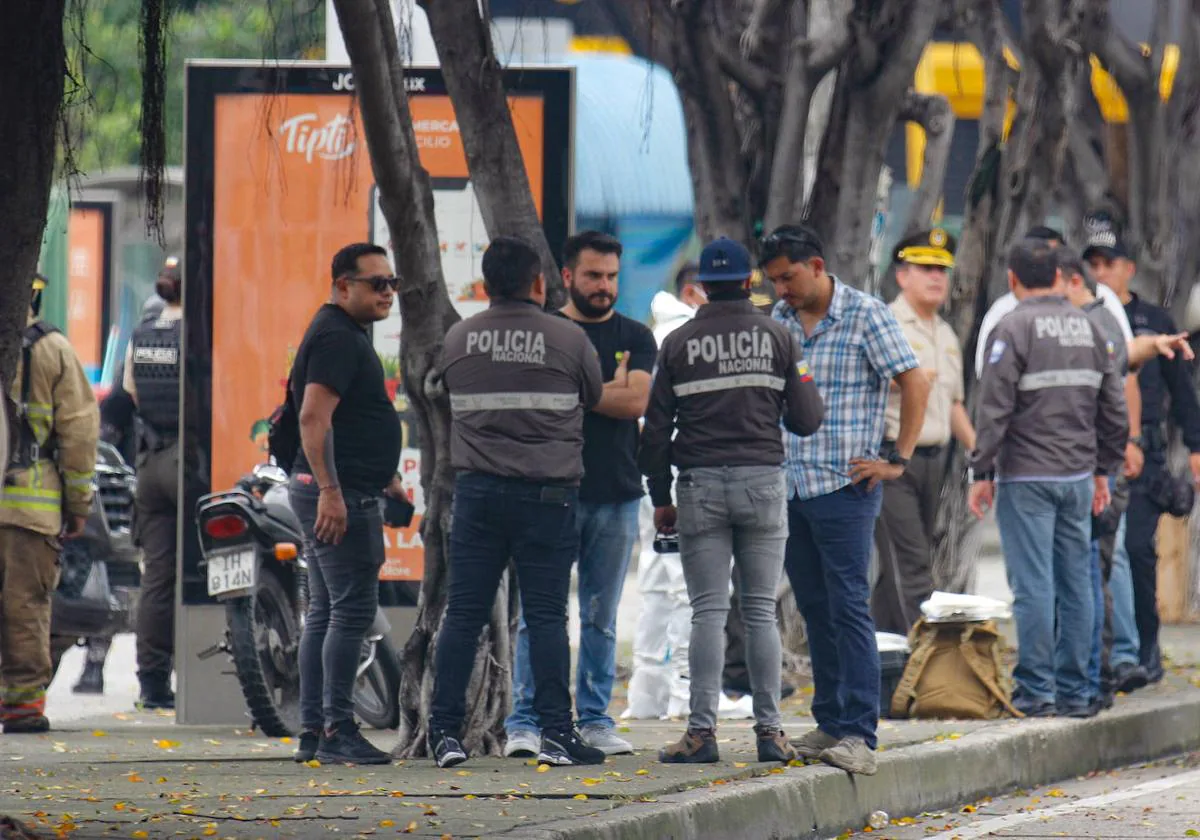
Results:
x,y
724,382
1052,427
520,381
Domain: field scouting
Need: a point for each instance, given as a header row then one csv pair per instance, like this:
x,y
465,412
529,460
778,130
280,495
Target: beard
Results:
x,y
593,306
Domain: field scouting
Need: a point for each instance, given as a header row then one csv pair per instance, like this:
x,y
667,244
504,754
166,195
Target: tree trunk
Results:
x,y
475,82
33,61
406,197
933,114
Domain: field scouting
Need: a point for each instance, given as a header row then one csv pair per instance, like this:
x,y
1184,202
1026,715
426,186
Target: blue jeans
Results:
x,y
496,519
607,533
828,552
343,594
1125,649
1045,532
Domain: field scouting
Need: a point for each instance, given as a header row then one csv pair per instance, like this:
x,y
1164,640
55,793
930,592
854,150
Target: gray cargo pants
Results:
x,y
740,511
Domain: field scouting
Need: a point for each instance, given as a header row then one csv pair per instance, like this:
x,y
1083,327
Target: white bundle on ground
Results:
x,y
950,606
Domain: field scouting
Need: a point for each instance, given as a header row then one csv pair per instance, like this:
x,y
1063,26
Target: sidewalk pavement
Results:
x,y
139,775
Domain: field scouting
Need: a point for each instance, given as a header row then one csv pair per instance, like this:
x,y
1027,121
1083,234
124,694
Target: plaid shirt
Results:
x,y
854,353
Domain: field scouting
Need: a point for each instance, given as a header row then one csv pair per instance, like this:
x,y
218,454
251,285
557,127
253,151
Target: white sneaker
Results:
x,y
522,743
605,739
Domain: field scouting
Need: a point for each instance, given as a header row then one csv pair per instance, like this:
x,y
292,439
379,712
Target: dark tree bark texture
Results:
x,y
33,61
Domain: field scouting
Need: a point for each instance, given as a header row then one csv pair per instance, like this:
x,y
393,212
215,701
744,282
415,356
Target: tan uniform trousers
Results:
x,y
28,578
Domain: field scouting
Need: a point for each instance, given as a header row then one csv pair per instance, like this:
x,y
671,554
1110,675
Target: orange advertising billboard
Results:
x,y
88,239
278,179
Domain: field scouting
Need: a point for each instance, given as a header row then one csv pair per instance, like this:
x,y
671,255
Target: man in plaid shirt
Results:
x,y
855,348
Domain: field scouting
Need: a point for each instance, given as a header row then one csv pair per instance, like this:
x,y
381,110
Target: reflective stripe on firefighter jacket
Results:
x,y
62,413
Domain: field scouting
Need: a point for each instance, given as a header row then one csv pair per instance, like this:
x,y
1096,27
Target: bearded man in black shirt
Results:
x,y
350,449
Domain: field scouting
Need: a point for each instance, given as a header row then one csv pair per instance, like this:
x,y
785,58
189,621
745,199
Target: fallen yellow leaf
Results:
x,y
134,777
312,762
397,793
386,823
164,744
209,832
739,764
99,733
411,827
543,768
582,797
119,806
463,773
140,834
593,782
469,796
286,740
643,772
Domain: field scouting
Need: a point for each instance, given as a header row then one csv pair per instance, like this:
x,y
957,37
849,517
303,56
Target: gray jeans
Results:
x,y
343,593
740,511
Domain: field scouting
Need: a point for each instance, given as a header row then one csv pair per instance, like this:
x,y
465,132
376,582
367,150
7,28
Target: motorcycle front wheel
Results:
x,y
377,690
264,638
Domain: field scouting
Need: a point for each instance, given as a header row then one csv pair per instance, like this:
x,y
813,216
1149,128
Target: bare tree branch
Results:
x,y
933,114
827,48
755,78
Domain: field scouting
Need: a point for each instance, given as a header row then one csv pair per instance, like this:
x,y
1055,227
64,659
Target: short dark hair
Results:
x,y
687,274
1070,263
589,240
345,261
1034,262
510,265
1043,232
796,242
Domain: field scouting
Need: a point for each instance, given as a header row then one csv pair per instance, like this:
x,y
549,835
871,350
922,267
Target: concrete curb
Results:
x,y
820,802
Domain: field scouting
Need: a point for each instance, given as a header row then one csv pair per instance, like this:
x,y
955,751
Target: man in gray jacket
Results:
x,y
520,381
1052,427
725,380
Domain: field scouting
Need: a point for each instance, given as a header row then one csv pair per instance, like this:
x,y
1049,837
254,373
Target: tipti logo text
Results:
x,y
302,135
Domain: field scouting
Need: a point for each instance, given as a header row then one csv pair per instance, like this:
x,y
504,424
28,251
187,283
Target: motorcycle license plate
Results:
x,y
232,571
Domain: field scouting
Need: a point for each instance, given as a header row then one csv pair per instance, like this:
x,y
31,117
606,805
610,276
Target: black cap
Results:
x,y
929,247
724,260
1103,236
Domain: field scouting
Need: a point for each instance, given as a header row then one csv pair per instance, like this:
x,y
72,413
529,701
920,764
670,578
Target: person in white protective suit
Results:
x,y
659,686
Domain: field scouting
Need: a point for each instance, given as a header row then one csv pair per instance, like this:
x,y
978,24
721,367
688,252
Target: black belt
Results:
x,y
922,451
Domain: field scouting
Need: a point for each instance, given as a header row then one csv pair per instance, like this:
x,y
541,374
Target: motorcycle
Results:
x,y
100,571
255,564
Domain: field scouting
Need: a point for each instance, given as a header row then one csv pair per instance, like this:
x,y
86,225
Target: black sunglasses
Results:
x,y
790,243
379,283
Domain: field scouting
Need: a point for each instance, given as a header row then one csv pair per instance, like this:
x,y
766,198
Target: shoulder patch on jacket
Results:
x,y
998,348
803,370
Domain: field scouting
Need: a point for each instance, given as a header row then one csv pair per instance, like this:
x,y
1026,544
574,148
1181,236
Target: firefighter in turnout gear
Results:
x,y
152,378
47,496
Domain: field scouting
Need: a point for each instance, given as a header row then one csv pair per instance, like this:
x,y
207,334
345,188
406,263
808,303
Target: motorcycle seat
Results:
x,y
281,524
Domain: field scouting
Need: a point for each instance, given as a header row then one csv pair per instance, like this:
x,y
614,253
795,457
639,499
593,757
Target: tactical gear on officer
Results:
x,y
47,496
152,378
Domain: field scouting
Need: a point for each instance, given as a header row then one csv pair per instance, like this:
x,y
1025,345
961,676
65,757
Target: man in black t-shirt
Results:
x,y
350,449
609,495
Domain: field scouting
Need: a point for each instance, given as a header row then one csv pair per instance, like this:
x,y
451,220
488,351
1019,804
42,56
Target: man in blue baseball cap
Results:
x,y
724,382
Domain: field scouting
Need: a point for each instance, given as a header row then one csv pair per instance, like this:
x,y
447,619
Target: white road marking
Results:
x,y
986,827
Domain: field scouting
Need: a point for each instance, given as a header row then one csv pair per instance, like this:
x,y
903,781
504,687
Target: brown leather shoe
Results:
x,y
774,746
697,746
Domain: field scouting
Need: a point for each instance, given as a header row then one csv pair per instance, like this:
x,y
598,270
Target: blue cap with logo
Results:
x,y
724,260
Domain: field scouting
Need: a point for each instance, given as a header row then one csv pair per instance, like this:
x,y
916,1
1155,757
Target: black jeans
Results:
x,y
343,595
1141,524
496,519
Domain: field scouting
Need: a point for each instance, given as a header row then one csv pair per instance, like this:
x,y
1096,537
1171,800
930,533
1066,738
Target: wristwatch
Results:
x,y
1137,441
894,457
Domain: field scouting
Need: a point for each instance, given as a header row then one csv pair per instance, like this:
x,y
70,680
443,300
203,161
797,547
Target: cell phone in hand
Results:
x,y
397,513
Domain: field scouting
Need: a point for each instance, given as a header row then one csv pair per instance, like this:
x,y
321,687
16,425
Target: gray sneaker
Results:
x,y
852,755
522,743
812,743
606,740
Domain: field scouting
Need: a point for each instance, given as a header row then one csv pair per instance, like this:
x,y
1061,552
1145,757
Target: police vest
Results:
x,y
156,374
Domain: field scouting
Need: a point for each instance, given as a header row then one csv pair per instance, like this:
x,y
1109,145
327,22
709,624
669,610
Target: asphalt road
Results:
x,y
1149,801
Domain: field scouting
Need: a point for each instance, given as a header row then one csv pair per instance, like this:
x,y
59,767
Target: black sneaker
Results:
x,y
345,744
1079,710
34,725
307,751
565,748
91,681
773,745
156,696
447,750
1129,677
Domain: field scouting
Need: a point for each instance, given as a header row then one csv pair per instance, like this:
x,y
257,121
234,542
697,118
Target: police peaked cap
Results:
x,y
929,247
